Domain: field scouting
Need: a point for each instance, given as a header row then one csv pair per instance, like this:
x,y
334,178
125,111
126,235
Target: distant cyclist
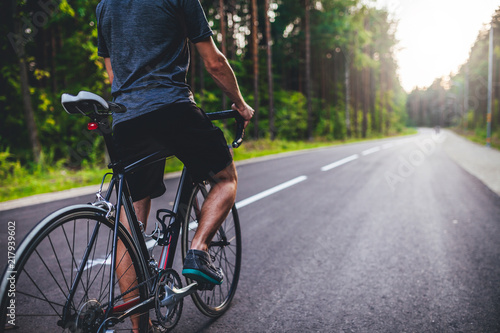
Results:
x,y
146,54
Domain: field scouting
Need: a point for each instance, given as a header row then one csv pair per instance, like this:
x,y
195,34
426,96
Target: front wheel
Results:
x,y
225,251
61,278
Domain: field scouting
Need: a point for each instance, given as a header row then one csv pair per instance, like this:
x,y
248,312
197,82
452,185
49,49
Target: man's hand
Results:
x,y
245,110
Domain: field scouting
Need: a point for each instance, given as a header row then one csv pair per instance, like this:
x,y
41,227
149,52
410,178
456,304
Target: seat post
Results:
x,y
106,131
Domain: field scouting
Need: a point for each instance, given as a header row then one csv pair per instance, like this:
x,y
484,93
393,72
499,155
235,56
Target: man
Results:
x,y
145,49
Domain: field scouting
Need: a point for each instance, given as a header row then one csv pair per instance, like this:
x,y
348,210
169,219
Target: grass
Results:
x,y
19,183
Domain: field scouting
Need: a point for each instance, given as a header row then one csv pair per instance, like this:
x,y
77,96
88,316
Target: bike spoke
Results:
x,y
108,252
44,298
19,292
71,249
50,272
58,261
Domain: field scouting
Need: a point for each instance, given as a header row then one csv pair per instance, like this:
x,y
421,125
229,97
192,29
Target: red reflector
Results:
x,y
92,126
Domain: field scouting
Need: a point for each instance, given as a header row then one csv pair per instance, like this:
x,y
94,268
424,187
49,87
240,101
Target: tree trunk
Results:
x,y
388,106
366,101
272,129
356,96
347,96
308,71
382,104
53,60
255,60
29,114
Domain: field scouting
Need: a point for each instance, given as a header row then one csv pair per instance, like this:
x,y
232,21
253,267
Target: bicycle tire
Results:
x,y
225,251
47,262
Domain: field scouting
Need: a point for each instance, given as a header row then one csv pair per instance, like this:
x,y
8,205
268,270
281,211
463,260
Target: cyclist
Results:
x,y
145,49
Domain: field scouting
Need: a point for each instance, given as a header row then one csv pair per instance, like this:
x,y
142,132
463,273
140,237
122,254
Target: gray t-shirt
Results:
x,y
147,42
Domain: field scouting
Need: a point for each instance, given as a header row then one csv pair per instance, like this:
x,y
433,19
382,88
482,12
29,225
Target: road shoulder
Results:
x,y
480,161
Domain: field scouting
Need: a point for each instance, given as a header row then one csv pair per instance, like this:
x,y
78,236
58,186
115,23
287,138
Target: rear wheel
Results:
x,y
225,251
48,262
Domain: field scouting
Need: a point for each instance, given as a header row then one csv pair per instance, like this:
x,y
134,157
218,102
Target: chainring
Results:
x,y
168,308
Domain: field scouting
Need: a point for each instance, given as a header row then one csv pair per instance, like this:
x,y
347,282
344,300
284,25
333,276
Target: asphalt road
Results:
x,y
383,236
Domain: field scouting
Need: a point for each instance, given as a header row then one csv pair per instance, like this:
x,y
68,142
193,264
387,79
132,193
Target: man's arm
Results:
x,y
222,73
107,63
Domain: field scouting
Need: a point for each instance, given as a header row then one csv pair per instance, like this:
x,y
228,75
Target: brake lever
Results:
x,y
240,131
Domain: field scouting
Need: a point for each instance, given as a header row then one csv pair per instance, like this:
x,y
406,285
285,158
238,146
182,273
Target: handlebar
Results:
x,y
240,124
95,107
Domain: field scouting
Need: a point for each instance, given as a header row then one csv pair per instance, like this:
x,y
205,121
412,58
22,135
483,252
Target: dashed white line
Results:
x,y
403,141
270,191
370,151
273,190
266,193
340,162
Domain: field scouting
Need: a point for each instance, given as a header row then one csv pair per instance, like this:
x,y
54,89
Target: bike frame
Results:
x,y
167,256
119,185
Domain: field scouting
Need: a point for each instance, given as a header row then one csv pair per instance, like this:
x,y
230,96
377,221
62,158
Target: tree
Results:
x,y
19,40
307,9
255,60
269,53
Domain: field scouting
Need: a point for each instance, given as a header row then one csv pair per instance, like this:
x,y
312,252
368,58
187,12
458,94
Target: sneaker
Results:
x,y
198,266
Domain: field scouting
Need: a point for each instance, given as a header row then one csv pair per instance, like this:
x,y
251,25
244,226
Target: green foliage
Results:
x,y
291,115
61,54
9,168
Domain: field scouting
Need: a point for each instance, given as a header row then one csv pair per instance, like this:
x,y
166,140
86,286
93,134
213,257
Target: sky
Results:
x,y
435,36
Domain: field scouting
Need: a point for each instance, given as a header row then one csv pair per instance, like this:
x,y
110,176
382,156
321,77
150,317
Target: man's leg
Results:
x,y
125,272
198,264
217,205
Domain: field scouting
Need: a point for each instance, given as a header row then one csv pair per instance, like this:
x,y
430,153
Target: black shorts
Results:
x,y
182,128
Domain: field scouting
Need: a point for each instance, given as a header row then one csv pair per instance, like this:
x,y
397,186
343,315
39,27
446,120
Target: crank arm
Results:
x,y
174,295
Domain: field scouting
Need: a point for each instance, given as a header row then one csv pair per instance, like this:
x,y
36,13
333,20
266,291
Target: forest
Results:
x,y
311,69
460,100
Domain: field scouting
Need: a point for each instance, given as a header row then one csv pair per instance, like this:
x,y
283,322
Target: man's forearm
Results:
x,y
225,79
219,69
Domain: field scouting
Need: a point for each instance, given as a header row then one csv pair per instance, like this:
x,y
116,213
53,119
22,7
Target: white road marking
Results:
x,y
258,196
95,262
340,162
370,151
270,191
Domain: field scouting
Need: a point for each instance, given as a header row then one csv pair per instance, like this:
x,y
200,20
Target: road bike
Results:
x,y
65,277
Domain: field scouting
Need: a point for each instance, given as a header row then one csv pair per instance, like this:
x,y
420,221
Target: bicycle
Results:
x,y
65,275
